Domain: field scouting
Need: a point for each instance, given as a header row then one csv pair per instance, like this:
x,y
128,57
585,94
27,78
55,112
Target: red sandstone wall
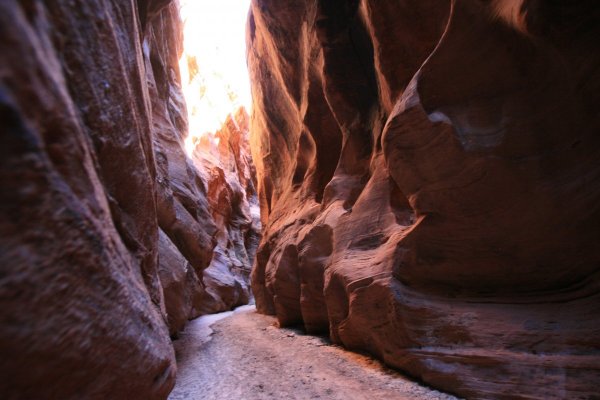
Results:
x,y
106,227
428,175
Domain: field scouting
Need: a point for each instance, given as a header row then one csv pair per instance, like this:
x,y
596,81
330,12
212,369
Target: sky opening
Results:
x,y
213,68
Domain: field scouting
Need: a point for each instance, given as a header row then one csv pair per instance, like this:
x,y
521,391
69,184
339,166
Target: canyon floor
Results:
x,y
244,355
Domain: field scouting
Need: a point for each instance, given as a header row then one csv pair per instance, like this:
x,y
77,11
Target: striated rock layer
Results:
x,y
428,175
106,226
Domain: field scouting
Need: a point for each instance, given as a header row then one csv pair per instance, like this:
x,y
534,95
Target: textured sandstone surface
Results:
x,y
428,175
106,227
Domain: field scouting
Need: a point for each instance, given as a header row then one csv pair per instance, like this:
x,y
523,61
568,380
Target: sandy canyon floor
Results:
x,y
243,355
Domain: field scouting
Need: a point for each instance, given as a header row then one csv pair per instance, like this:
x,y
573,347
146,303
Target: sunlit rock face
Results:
x,y
224,165
428,174
204,200
106,226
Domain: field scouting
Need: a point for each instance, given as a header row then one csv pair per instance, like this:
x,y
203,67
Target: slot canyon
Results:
x,y
406,206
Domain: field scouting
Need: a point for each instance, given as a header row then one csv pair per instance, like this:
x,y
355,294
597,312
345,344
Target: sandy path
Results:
x,y
248,358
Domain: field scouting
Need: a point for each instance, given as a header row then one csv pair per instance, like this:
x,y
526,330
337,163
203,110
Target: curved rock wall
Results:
x,y
106,226
428,175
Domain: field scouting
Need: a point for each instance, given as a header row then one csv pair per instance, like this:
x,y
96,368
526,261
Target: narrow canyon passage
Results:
x,y
246,356
401,188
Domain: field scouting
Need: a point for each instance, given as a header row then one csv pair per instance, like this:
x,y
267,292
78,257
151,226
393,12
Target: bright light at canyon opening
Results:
x,y
213,65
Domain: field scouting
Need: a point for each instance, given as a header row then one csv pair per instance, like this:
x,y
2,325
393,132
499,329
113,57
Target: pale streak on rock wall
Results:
x,y
429,185
106,226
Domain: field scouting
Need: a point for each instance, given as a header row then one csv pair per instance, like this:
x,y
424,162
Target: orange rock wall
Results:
x,y
428,176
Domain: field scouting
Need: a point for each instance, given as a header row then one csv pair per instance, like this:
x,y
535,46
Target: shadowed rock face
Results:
x,y
428,175
106,226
